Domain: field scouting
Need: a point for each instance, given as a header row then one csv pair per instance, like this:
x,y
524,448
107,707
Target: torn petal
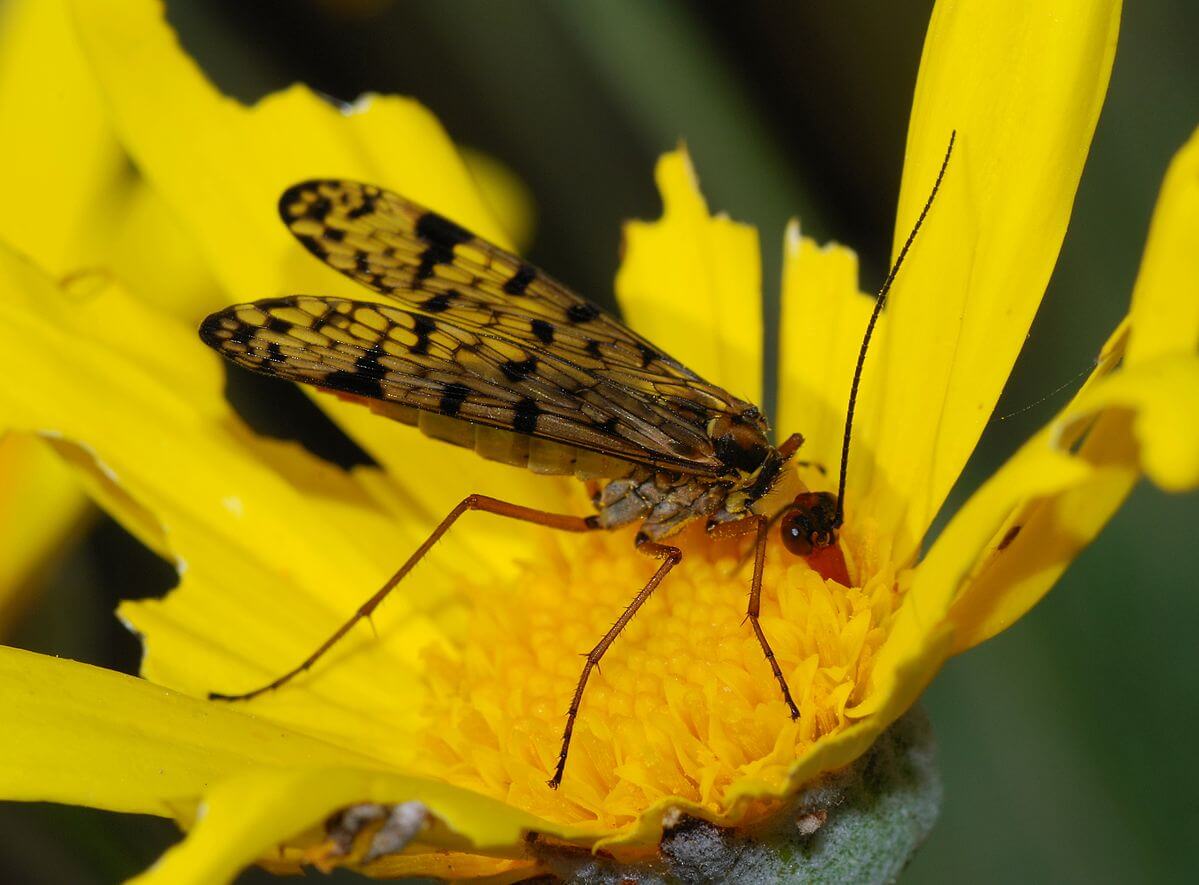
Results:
x,y
691,283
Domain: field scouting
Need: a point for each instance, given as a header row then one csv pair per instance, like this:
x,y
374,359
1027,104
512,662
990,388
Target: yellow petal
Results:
x,y
1022,84
691,283
247,817
83,735
276,548
221,167
273,548
1165,302
1151,410
41,505
1162,395
63,158
506,195
81,205
1143,417
142,241
917,644
823,318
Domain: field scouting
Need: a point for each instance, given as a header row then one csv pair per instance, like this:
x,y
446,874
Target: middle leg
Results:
x,y
670,556
759,526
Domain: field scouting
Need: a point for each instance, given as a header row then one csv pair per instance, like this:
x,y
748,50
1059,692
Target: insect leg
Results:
x,y
671,557
759,525
790,445
558,521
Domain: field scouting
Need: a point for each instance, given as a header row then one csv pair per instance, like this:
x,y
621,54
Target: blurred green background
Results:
x,y
1066,743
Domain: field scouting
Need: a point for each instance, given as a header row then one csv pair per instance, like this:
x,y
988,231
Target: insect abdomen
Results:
x,y
518,449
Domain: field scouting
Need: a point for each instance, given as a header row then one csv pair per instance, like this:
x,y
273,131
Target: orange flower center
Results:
x,y
684,703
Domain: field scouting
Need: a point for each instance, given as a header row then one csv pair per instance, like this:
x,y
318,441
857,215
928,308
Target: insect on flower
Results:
x,y
485,351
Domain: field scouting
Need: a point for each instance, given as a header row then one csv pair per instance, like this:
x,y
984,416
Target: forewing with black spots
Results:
x,y
424,362
431,265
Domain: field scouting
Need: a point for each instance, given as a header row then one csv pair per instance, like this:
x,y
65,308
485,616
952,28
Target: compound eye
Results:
x,y
795,532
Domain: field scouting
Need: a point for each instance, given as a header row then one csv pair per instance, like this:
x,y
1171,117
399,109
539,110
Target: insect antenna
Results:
x,y
878,308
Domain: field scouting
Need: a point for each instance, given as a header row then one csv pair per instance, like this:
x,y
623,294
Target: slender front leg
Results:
x,y
759,526
671,557
790,445
470,502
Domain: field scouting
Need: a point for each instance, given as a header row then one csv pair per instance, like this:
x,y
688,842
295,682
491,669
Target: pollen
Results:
x,y
683,706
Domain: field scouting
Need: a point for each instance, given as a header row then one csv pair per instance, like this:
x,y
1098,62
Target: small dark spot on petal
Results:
x,y
1009,536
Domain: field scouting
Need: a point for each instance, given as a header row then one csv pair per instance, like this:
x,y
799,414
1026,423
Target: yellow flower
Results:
x,y
82,210
456,703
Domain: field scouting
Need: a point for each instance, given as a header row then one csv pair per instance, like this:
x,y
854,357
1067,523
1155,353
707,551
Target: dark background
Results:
x,y
1066,742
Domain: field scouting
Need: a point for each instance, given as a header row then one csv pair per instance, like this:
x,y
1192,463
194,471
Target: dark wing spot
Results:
x,y
593,349
274,353
430,258
269,304
442,235
362,262
543,330
583,312
366,207
648,354
515,370
524,419
243,335
437,230
610,425
276,325
524,275
439,302
368,364
452,398
212,330
422,327
334,234
313,245
291,201
319,208
355,383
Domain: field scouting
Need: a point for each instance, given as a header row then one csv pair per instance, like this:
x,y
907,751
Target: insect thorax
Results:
x,y
665,501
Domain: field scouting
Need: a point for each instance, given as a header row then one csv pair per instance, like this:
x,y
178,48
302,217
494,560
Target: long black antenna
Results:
x,y
878,308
